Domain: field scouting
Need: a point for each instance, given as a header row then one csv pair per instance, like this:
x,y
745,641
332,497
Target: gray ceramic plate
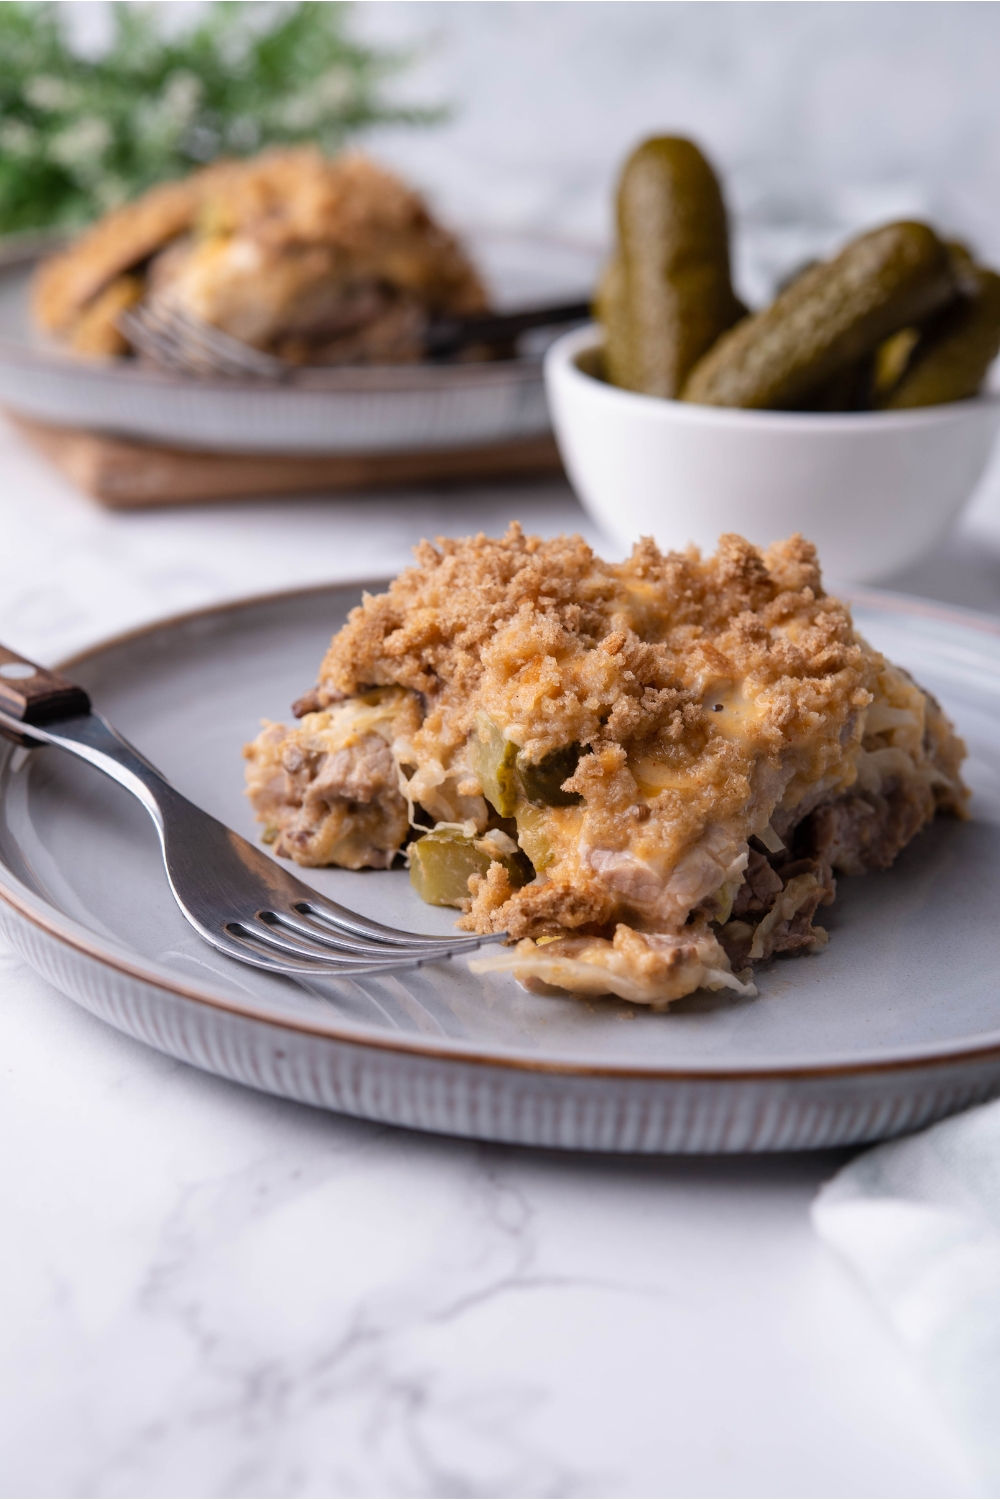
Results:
x,y
896,1023
383,409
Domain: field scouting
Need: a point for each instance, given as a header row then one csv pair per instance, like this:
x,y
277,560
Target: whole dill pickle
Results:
x,y
609,311
667,295
831,316
954,351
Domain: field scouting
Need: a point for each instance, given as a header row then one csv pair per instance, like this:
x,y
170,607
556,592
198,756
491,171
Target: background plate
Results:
x,y
378,409
897,1022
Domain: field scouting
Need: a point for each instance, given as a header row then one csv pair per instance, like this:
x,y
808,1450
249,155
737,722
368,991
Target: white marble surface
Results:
x,y
209,1292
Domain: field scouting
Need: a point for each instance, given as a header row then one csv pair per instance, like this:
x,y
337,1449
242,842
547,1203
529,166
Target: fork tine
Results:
x,y
344,942
190,346
286,956
248,952
235,944
222,348
198,349
154,342
343,920
273,927
182,352
271,938
159,339
181,341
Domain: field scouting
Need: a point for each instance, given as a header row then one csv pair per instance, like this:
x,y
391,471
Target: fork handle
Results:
x,y
91,738
33,695
446,336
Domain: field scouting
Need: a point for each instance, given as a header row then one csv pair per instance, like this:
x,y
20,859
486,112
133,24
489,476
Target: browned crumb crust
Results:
x,y
561,648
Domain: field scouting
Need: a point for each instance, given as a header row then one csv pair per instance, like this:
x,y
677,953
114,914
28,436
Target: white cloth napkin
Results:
x,y
919,1221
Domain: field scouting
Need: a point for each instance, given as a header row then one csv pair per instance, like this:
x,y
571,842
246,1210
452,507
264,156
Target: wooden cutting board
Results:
x,y
124,474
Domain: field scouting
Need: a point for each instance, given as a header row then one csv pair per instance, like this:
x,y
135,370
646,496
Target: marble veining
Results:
x,y
206,1291
211,1292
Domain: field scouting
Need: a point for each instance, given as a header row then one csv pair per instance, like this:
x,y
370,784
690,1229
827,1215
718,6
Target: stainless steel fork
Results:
x,y
233,894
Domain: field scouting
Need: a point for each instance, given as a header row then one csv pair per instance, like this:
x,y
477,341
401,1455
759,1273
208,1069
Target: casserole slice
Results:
x,y
647,773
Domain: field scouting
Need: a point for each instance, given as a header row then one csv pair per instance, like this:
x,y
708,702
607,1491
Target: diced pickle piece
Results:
x,y
493,759
542,781
531,835
440,866
442,861
509,779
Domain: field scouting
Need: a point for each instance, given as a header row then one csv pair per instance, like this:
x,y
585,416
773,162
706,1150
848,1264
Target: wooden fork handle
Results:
x,y
33,695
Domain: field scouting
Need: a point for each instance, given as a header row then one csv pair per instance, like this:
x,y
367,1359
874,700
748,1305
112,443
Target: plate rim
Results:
x,y
47,917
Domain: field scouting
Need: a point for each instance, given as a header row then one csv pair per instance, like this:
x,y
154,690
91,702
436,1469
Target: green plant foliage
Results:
x,y
79,135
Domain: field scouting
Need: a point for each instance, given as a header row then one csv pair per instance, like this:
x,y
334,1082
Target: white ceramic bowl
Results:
x,y
873,490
